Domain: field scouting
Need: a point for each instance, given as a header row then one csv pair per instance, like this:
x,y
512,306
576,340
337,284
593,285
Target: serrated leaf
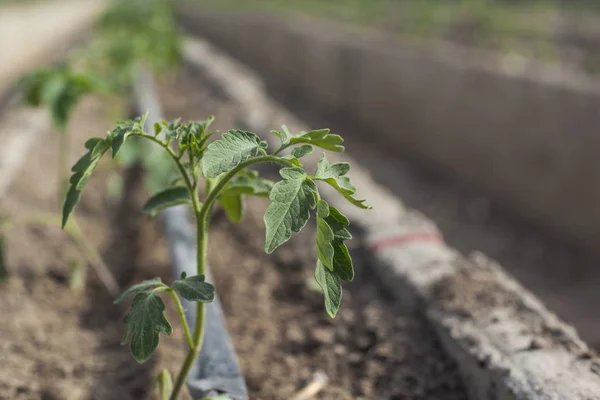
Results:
x,y
342,262
324,247
119,135
228,152
81,173
338,222
321,138
338,216
334,175
194,288
233,206
145,322
138,288
291,202
284,135
302,151
167,198
331,286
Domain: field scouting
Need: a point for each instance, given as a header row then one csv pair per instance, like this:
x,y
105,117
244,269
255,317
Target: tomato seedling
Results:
x,y
223,165
60,89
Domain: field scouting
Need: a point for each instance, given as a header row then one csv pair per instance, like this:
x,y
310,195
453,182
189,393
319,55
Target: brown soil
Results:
x,y
62,345
58,344
276,317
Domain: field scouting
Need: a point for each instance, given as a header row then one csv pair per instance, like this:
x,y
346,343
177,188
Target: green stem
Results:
x,y
202,213
186,328
283,147
174,156
63,164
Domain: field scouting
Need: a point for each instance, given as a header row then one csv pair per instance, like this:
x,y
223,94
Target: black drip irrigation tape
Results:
x,y
216,370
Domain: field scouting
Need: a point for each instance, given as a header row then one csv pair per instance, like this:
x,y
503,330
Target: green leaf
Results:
x,y
321,138
322,209
126,128
293,159
139,288
342,262
291,202
331,286
92,142
167,198
81,173
228,152
164,384
338,216
194,288
233,206
145,322
324,238
331,233
284,135
338,222
302,151
249,183
60,89
333,174
157,129
32,85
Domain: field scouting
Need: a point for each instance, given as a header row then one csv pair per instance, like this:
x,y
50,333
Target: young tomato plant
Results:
x,y
224,167
60,89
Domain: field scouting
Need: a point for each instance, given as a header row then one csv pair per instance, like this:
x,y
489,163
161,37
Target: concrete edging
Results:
x,y
506,343
19,38
522,131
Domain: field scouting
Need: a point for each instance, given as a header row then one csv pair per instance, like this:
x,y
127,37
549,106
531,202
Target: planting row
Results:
x,y
63,336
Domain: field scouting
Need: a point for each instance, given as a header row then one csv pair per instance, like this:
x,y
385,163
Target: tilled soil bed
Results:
x,y
62,345
275,313
57,344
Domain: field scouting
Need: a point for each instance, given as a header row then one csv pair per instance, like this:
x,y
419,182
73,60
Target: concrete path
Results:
x,y
30,34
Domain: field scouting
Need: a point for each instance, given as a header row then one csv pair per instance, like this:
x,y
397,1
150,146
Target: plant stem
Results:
x,y
63,164
202,214
186,328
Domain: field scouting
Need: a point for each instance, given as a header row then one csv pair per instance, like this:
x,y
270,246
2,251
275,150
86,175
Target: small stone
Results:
x,y
340,349
355,357
365,341
295,334
323,335
384,349
537,344
373,316
347,315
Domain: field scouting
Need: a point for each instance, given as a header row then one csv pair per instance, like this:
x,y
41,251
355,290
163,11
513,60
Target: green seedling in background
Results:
x,y
59,89
223,167
129,34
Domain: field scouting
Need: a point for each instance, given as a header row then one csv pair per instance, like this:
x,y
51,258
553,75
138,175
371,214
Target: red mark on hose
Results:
x,y
400,240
